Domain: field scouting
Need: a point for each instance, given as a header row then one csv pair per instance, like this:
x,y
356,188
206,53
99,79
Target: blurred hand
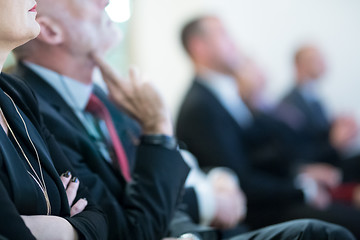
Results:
x,y
230,201
343,131
71,186
324,174
137,98
322,199
356,197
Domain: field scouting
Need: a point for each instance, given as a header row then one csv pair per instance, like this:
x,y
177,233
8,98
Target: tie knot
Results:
x,y
95,106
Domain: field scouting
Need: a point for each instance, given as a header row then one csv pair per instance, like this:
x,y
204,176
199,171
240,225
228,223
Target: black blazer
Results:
x,y
311,129
18,194
216,139
140,210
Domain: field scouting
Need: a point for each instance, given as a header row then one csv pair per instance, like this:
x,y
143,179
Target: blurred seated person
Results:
x,y
218,128
304,111
251,82
320,139
35,203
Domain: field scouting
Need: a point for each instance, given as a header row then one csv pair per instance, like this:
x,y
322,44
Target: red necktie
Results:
x,y
96,107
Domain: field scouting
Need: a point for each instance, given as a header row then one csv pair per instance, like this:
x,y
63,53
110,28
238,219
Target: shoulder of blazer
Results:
x,y
198,96
294,97
47,95
201,98
23,97
38,84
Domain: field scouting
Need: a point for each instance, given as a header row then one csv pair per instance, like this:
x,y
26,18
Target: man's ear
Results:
x,y
50,31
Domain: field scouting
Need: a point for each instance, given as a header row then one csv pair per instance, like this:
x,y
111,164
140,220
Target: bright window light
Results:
x,y
119,10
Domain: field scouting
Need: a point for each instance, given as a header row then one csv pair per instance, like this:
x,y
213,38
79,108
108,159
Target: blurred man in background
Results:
x,y
220,130
305,113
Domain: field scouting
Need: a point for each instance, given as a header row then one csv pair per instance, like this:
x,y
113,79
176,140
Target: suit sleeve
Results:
x,y
216,143
141,209
150,201
190,204
144,208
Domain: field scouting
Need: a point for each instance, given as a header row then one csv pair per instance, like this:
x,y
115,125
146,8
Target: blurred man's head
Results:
x,y
70,30
309,64
209,45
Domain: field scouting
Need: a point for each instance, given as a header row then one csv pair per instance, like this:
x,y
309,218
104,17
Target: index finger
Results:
x,y
107,71
65,178
71,190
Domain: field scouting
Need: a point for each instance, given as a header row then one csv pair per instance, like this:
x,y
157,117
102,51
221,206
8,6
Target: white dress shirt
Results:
x,y
225,89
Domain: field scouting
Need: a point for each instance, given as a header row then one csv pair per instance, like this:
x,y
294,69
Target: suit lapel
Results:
x,y
311,114
215,102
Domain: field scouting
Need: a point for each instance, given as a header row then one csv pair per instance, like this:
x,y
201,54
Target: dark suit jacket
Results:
x,y
216,139
312,132
19,195
139,210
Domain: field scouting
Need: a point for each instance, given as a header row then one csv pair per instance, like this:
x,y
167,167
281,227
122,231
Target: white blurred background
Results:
x,y
269,31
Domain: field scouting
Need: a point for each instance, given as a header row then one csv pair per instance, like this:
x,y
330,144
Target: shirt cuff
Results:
x,y
206,201
308,186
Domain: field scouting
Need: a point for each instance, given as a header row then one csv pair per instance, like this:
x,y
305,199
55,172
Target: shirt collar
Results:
x,y
309,91
225,89
76,94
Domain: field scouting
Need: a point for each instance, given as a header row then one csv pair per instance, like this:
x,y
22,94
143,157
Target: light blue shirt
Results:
x,y
309,92
225,89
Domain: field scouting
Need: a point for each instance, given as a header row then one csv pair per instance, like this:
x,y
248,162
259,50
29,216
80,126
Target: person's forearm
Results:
x,y
50,227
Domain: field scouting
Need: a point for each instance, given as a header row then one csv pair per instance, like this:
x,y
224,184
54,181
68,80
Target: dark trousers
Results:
x,y
341,214
299,229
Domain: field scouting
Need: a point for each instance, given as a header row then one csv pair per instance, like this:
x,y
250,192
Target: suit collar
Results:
x,y
224,89
212,101
74,92
299,98
45,91
312,109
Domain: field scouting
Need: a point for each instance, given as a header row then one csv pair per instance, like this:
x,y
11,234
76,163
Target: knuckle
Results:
x,y
76,208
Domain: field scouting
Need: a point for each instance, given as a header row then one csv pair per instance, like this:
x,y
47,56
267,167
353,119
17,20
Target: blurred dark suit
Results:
x,y
312,128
